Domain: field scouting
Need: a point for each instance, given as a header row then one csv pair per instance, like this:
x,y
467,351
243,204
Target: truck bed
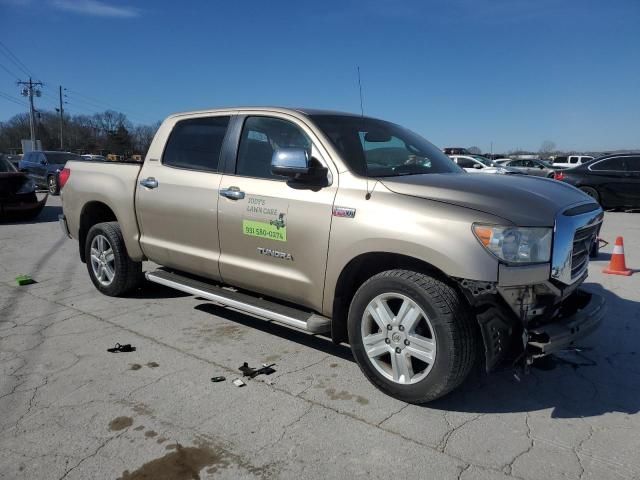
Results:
x,y
112,184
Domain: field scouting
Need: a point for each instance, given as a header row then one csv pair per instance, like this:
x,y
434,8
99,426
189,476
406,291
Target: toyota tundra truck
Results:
x,y
349,227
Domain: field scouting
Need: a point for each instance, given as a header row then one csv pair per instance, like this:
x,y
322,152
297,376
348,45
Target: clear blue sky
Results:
x,y
459,72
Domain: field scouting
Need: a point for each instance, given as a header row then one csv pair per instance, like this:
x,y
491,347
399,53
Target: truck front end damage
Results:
x,y
536,310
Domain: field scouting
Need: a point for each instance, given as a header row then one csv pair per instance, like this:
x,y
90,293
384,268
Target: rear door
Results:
x,y
632,181
273,238
177,197
612,180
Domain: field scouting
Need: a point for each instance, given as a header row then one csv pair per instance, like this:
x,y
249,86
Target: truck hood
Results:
x,y
523,200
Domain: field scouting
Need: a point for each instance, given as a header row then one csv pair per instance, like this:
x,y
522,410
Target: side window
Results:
x,y
633,164
616,164
196,143
261,136
41,158
573,159
466,162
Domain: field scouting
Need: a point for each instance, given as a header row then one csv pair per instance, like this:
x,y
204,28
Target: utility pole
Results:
x,y
30,91
61,110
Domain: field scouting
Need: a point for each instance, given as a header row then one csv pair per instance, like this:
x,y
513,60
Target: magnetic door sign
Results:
x,y
264,230
266,217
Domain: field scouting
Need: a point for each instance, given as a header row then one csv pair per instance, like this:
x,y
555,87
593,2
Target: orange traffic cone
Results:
x,y
617,265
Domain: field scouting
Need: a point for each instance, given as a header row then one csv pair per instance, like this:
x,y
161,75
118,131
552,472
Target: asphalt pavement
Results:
x,y
71,410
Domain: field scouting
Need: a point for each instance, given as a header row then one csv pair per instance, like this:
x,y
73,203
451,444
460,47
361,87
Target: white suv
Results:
x,y
571,161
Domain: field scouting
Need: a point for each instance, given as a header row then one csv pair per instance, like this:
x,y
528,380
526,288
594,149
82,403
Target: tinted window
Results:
x,y
573,159
6,166
261,136
196,143
466,162
611,164
560,160
59,158
633,164
377,148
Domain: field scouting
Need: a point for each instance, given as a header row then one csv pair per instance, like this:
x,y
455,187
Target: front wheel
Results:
x,y
412,335
110,268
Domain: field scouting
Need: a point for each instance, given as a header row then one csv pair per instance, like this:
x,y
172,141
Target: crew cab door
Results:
x,y
177,197
273,238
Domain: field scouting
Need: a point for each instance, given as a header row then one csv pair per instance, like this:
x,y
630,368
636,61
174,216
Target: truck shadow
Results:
x,y
316,342
48,213
603,378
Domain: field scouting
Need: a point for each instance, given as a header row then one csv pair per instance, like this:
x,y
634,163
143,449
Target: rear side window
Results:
x,y
196,143
616,164
633,164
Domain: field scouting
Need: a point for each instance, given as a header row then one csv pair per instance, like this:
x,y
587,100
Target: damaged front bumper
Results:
x,y
580,315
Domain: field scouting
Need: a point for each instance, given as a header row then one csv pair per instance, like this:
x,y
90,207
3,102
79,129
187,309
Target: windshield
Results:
x,y
61,157
6,166
376,148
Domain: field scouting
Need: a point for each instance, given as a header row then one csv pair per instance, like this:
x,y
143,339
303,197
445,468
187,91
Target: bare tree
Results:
x,y
474,150
546,149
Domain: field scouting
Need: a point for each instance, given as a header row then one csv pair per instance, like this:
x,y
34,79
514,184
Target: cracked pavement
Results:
x,y
71,410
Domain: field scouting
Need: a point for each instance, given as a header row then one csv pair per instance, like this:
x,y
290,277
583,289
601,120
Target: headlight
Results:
x,y
27,187
516,244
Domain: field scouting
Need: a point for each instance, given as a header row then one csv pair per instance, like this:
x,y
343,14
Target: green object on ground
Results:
x,y
24,280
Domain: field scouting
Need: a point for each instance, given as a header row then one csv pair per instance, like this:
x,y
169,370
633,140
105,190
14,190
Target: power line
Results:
x,y
15,60
95,103
9,72
11,99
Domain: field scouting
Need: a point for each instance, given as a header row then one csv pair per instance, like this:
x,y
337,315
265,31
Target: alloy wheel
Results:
x,y
103,261
398,338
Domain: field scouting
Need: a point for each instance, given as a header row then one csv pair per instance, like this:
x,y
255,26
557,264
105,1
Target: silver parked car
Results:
x,y
536,167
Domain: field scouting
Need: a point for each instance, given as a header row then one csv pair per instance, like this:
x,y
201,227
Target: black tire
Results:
x,y
53,185
128,274
592,192
457,346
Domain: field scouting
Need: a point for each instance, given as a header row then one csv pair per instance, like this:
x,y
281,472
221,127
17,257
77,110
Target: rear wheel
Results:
x,y
411,335
110,268
592,192
52,185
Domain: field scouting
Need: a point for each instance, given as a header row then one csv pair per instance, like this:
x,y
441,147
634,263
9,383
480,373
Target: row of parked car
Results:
x,y
612,180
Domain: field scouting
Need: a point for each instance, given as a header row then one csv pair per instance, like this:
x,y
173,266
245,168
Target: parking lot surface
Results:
x,y
69,409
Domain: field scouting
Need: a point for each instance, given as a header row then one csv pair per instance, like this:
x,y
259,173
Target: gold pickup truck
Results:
x,y
350,227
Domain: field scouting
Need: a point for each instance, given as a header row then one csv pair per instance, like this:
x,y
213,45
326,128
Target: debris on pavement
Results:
x,y
250,372
238,383
122,348
24,280
218,379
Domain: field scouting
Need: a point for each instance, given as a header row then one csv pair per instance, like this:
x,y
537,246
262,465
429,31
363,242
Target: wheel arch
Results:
x,y
93,212
363,267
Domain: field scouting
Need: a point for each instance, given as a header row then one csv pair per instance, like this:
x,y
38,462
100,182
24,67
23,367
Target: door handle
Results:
x,y
149,182
233,193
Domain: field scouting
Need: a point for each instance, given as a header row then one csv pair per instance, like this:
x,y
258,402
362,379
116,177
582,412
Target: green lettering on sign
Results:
x,y
264,230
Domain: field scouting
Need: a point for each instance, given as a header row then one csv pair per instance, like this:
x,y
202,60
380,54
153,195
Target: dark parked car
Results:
x,y
17,194
613,181
44,168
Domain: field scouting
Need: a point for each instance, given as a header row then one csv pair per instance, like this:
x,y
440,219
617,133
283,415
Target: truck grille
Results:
x,y
582,242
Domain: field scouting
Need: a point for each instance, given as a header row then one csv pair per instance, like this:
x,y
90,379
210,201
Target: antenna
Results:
x,y
360,88
366,166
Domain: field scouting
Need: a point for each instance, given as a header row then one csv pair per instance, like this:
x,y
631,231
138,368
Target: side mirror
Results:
x,y
290,162
541,167
302,171
43,161
477,166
